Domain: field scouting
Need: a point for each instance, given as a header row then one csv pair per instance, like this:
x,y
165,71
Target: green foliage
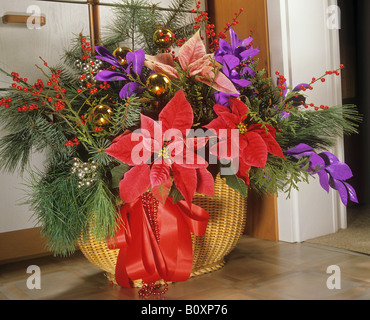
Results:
x,y
237,184
279,175
64,210
319,129
126,115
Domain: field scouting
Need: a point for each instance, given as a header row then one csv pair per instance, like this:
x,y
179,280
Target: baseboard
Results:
x,y
21,244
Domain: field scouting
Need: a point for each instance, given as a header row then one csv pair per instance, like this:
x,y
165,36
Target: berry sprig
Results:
x,y
281,85
85,48
5,102
83,122
222,34
72,143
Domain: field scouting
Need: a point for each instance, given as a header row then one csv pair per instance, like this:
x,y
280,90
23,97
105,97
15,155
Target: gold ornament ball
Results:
x,y
120,53
101,115
158,84
163,38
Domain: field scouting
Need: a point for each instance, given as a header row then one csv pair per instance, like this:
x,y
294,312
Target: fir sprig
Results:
x,y
65,210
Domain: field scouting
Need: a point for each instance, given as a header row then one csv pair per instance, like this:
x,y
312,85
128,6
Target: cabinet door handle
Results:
x,y
15,18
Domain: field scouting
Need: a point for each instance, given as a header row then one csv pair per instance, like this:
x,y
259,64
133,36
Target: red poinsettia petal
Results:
x,y
269,137
205,182
255,153
196,143
151,128
192,50
192,159
259,128
135,182
231,120
227,149
273,147
239,108
177,114
185,180
159,173
218,108
243,172
123,148
216,124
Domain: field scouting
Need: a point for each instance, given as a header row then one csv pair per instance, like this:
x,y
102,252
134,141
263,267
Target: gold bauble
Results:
x,y
163,38
120,53
158,84
101,115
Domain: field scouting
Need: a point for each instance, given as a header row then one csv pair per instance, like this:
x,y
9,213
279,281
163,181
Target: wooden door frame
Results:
x,y
262,212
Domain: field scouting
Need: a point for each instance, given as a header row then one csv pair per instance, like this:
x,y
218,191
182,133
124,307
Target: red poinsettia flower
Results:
x,y
160,153
253,142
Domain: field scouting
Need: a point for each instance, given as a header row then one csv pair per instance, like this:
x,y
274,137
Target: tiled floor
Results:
x,y
256,269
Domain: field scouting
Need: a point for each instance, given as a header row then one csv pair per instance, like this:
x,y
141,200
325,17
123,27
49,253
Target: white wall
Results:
x,y
302,46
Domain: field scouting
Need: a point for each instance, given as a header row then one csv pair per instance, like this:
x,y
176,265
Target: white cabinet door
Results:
x,y
20,50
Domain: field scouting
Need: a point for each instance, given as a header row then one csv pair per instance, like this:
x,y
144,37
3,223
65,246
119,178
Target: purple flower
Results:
x,y
223,98
242,49
231,57
107,56
135,62
234,54
332,173
230,62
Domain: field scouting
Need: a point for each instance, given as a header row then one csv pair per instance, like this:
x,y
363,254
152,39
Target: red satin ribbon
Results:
x,y
142,257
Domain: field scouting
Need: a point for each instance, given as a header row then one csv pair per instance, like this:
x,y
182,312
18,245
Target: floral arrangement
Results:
x,y
130,137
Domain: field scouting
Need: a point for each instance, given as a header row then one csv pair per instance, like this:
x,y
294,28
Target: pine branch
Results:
x,y
64,210
127,115
319,129
178,8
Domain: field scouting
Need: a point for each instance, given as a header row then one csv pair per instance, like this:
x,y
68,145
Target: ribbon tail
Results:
x,y
175,243
143,254
121,275
120,242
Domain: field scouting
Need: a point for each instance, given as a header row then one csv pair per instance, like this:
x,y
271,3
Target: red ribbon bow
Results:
x,y
144,256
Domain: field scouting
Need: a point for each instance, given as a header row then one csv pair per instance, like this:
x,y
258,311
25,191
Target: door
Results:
x,y
304,42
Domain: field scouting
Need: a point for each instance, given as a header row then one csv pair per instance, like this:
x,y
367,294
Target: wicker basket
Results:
x,y
227,213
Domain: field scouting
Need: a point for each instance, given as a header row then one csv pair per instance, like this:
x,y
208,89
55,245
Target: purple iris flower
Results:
x,y
230,62
223,98
231,56
135,62
332,173
242,49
